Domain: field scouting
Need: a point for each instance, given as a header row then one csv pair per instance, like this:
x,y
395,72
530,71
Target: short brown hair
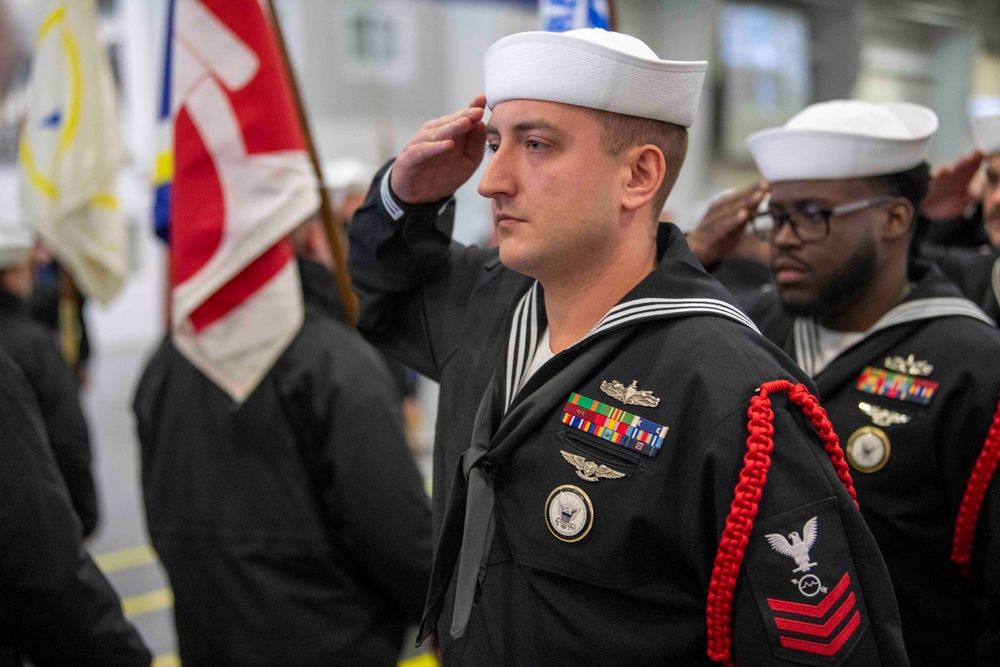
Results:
x,y
620,132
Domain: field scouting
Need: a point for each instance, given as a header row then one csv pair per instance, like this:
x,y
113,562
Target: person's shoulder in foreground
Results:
x,y
57,606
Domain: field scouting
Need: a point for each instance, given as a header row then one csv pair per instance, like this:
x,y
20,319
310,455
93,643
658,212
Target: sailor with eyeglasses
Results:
x,y
906,367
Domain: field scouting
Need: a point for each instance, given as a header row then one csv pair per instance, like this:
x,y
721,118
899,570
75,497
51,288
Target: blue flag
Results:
x,y
163,170
563,15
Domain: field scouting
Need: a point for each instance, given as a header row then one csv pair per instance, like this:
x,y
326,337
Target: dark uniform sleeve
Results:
x,y
370,488
59,401
59,606
960,441
411,279
988,547
812,588
969,268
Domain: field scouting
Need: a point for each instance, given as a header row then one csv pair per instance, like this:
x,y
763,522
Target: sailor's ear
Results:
x,y
646,168
898,220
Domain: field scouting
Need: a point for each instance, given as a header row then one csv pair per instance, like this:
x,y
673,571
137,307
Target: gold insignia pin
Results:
x,y
868,449
630,395
588,470
883,416
909,365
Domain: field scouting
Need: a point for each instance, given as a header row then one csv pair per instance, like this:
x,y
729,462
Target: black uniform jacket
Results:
x,y
911,452
54,602
294,527
592,565
976,271
33,348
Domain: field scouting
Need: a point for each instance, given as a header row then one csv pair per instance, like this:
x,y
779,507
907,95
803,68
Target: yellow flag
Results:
x,y
71,150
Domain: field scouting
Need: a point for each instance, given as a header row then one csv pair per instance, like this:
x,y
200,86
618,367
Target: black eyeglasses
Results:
x,y
809,223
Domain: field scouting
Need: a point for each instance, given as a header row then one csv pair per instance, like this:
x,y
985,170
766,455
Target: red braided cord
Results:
x,y
743,510
831,443
972,501
739,523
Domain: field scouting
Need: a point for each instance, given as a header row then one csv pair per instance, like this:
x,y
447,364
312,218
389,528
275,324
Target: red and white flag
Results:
x,y
242,182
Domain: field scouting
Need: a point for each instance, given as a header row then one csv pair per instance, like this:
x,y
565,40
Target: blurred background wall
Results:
x,y
371,71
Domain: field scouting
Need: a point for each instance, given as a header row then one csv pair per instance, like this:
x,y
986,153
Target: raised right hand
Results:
x,y
948,193
442,156
720,230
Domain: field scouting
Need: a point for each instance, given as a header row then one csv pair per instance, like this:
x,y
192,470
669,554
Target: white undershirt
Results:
x,y
830,344
542,354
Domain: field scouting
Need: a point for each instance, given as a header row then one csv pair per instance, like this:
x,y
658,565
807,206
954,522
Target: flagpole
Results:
x,y
68,320
333,233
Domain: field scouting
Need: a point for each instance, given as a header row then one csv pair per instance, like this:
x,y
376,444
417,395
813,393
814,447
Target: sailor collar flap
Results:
x,y
528,324
933,297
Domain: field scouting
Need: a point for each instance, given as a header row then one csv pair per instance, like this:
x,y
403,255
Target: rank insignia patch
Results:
x,y
868,449
823,621
798,547
613,424
805,586
900,386
569,513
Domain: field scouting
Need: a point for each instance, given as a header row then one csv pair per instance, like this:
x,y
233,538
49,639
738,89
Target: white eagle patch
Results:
x,y
795,546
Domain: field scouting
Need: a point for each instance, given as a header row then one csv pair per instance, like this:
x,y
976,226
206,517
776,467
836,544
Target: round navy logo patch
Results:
x,y
868,449
569,513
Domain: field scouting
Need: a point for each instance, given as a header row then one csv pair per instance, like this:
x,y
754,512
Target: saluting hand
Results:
x,y
719,231
948,193
442,156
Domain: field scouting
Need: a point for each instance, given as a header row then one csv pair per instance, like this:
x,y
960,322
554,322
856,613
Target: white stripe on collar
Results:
x,y
806,333
637,309
522,342
995,281
523,338
926,309
806,339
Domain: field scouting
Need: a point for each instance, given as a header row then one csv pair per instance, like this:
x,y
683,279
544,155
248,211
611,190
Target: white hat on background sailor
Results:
x,y
985,112
346,174
16,237
593,68
845,139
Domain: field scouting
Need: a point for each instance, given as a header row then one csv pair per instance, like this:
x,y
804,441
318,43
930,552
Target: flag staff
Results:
x,y
68,319
334,234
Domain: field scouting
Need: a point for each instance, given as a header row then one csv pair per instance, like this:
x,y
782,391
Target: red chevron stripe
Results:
x,y
825,649
814,629
816,610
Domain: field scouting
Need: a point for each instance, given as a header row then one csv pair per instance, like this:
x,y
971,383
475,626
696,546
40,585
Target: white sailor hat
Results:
x,y
342,175
16,238
347,172
845,139
986,123
596,69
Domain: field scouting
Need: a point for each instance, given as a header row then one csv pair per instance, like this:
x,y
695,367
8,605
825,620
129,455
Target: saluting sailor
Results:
x,y
976,271
986,128
905,366
604,380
